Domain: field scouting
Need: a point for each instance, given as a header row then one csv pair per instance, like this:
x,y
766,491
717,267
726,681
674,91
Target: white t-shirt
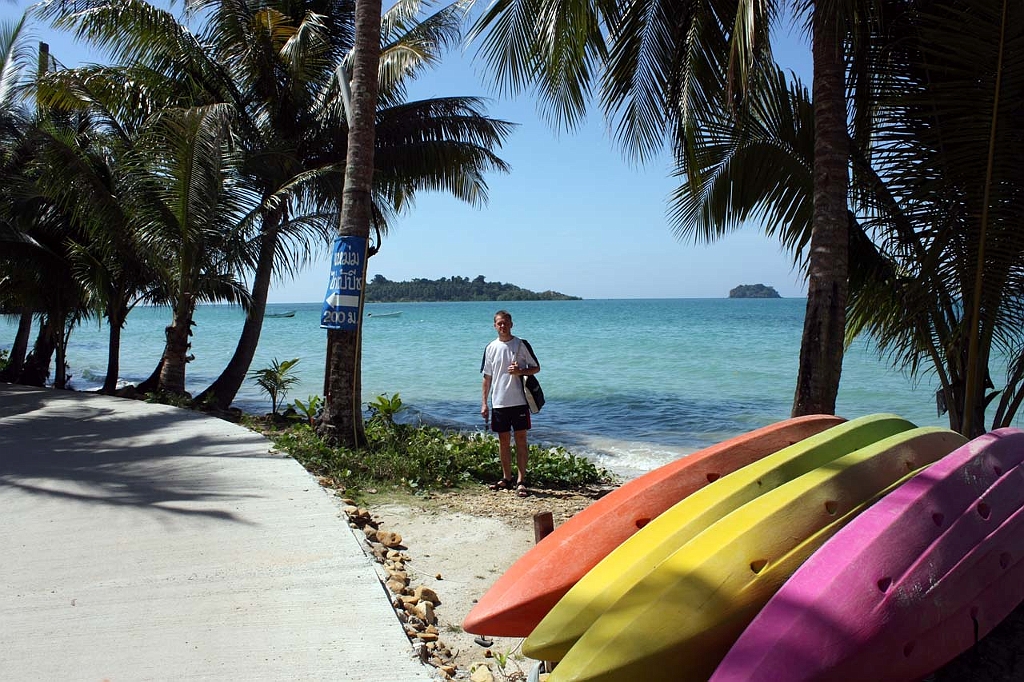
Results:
x,y
506,389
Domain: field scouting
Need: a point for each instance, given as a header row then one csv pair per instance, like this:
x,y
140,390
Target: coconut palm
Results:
x,y
434,144
86,176
39,237
199,219
920,182
276,380
948,227
655,67
14,124
342,417
278,65
37,267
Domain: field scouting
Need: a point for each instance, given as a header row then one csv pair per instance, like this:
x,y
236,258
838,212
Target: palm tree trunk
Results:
x,y
113,360
60,375
37,365
343,417
115,318
224,389
172,374
821,348
16,359
152,382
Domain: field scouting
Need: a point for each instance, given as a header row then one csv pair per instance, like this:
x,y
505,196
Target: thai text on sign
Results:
x,y
341,304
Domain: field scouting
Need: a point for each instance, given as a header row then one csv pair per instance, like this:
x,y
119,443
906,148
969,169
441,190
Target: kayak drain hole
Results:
x,y
884,584
984,510
831,506
713,477
640,523
998,470
938,518
908,649
1004,560
758,566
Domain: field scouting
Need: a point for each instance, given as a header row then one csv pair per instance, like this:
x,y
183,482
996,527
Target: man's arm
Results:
x,y
486,392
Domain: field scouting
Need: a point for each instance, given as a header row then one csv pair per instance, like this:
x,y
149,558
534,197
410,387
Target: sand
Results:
x,y
459,545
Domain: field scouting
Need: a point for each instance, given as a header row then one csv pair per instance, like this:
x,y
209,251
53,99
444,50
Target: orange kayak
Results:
x,y
524,594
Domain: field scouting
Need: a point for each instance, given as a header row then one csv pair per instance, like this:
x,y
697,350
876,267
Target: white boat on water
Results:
x,y
286,313
394,314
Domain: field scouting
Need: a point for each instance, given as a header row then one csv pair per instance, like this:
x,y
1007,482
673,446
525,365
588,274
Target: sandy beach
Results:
x,y
459,544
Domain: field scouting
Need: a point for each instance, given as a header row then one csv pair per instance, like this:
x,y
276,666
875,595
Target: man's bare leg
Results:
x,y
522,454
505,453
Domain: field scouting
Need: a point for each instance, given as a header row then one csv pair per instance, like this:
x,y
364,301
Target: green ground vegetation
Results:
x,y
417,458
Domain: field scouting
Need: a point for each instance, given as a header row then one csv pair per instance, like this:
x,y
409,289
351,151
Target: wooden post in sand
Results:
x,y
543,524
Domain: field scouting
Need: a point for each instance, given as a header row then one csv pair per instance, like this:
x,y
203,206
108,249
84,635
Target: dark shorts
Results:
x,y
505,419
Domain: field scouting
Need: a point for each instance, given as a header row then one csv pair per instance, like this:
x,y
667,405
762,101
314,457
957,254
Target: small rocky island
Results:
x,y
382,290
753,291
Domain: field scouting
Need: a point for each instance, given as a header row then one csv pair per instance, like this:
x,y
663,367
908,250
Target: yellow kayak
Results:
x,y
679,621
626,565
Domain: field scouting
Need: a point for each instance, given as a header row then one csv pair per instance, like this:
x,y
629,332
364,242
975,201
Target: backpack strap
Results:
x,y
533,355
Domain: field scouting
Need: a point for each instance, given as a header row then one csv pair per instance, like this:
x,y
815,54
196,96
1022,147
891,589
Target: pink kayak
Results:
x,y
908,585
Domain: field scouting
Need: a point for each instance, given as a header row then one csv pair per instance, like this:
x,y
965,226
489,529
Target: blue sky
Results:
x,y
572,216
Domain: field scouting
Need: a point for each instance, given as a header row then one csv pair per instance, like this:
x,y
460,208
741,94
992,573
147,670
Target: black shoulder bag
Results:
x,y
531,387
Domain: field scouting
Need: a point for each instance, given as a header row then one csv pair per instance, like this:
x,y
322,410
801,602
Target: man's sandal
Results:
x,y
521,489
502,484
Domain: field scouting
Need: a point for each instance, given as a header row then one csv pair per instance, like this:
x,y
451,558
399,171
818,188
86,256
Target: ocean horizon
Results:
x,y
630,383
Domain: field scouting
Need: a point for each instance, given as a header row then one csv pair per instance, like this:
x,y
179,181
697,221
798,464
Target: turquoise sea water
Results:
x,y
631,383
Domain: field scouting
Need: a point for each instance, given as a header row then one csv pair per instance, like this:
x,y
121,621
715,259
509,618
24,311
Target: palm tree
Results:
x,y
659,67
920,181
40,237
950,260
199,219
37,267
342,416
449,145
14,125
276,380
86,176
277,65
441,145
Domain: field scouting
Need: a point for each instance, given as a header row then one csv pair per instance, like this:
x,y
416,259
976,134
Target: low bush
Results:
x,y
419,458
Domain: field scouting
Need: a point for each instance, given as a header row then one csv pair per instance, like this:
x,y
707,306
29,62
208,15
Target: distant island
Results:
x,y
753,291
383,290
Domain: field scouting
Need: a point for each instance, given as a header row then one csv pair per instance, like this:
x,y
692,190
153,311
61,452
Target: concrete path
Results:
x,y
144,542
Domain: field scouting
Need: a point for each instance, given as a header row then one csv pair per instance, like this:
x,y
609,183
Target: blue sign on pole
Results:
x,y
341,305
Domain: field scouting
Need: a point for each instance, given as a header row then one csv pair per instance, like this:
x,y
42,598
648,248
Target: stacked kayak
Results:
x,y
533,585
812,549
908,585
602,587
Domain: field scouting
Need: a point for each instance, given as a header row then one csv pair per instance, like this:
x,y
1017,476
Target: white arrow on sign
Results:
x,y
336,300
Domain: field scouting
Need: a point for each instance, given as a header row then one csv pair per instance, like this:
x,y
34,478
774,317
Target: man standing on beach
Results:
x,y
506,361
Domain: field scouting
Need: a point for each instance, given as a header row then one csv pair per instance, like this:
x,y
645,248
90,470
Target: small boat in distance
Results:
x,y
286,313
394,314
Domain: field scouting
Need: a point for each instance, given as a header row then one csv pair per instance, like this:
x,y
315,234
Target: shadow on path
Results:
x,y
87,449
